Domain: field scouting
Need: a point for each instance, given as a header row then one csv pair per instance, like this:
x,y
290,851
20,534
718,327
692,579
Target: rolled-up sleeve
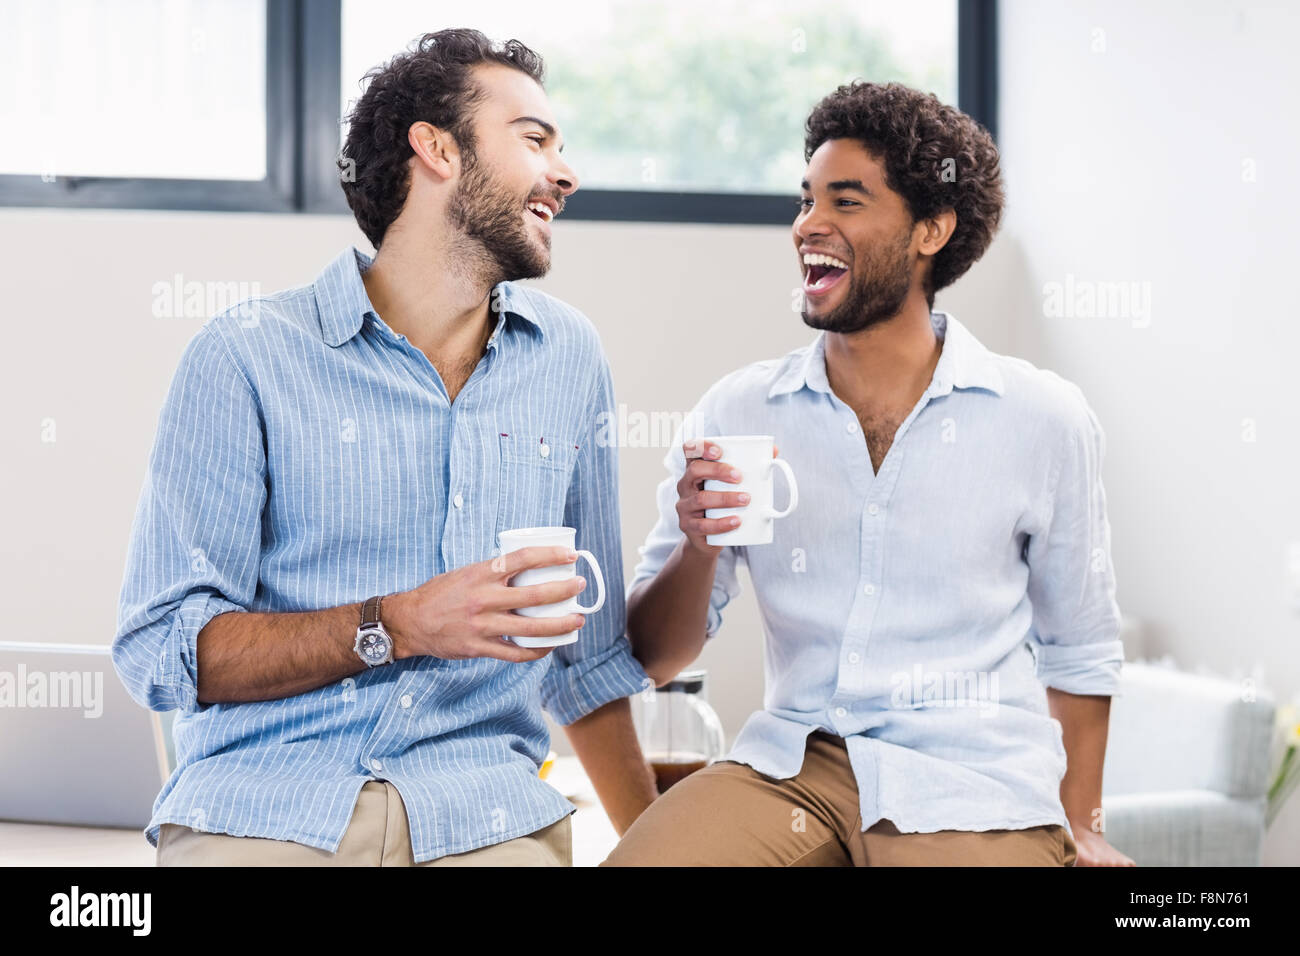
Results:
x,y
666,533
1071,579
195,542
599,667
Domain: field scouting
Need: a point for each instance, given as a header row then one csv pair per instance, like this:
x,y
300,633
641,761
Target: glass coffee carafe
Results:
x,y
678,730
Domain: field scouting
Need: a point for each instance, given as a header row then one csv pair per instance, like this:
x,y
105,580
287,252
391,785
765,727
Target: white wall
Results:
x,y
1129,133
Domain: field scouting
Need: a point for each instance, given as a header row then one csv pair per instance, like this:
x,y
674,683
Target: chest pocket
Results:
x,y
534,481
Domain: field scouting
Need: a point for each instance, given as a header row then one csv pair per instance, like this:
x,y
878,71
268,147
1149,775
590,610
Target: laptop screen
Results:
x,y
74,747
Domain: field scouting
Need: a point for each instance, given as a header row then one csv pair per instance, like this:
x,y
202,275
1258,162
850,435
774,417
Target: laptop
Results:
x,y
74,747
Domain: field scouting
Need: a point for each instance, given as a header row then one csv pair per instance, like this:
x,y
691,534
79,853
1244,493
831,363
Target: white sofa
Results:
x,y
1187,763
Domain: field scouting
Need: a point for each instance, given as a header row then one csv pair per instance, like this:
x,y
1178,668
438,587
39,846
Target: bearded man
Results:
x,y
941,629
311,580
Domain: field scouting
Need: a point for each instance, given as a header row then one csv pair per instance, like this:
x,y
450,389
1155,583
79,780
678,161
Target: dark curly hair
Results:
x,y
430,82
936,157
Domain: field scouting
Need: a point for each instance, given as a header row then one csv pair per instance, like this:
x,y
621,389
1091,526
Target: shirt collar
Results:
x,y
809,369
964,362
342,302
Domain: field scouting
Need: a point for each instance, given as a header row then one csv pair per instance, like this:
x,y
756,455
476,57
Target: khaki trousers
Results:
x,y
728,814
379,835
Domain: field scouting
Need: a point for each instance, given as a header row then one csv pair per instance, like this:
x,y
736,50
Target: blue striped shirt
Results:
x,y
308,457
919,612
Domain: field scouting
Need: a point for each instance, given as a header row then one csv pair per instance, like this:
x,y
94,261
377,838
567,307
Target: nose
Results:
x,y
563,176
810,223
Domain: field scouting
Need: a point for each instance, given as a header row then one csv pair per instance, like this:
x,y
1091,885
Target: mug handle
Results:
x,y
600,585
794,488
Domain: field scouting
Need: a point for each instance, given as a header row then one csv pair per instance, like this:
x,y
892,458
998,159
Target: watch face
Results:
x,y
374,646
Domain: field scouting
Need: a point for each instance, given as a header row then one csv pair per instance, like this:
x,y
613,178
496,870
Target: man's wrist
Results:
x,y
1083,821
697,558
393,616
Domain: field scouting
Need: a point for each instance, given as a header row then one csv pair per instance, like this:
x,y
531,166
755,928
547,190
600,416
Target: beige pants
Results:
x,y
728,814
378,835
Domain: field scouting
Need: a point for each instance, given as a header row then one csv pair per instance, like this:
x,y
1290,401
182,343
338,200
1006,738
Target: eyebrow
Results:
x,y
841,185
546,127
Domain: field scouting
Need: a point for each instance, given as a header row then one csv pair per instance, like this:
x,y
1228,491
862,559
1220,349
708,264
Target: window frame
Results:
x,y
303,79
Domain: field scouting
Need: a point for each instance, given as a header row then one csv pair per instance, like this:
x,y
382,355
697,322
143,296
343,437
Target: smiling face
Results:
x,y
856,240
513,181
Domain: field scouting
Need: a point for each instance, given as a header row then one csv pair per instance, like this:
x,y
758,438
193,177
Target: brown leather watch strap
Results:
x,y
370,610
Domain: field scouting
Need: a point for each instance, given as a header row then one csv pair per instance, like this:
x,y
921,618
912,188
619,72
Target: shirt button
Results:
x,y
841,712
376,763
406,700
851,428
458,501
869,590
873,509
545,451
854,658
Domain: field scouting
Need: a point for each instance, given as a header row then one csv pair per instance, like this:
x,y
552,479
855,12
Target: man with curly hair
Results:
x,y
941,628
311,581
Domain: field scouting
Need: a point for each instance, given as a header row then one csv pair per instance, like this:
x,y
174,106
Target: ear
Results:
x,y
936,231
435,149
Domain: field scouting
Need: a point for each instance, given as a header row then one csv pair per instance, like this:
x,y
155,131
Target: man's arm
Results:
x,y
675,604
605,742
1084,721
667,616
248,656
460,614
1076,624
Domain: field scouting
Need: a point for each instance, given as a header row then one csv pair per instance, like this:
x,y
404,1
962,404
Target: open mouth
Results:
x,y
541,210
824,273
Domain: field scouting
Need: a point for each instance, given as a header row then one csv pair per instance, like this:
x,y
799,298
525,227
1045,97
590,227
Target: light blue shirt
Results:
x,y
307,457
919,612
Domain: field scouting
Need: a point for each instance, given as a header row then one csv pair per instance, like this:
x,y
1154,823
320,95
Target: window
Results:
x,y
673,110
147,90
161,101
677,95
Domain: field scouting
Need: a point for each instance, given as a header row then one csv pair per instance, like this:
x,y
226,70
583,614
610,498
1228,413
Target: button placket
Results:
x,y
882,489
857,633
857,630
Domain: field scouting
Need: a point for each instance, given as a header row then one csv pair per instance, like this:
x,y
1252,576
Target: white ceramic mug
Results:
x,y
518,538
752,455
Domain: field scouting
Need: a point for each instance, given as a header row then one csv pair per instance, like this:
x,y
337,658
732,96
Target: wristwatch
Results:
x,y
374,645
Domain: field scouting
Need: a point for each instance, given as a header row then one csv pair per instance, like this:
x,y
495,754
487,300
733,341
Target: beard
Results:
x,y
490,215
879,289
